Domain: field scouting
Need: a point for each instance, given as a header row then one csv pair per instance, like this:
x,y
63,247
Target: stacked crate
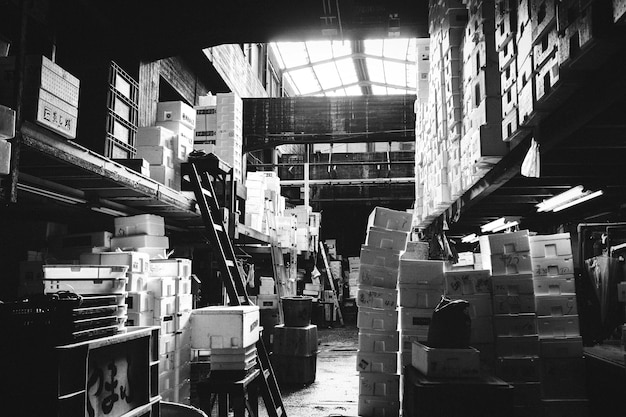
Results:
x,y
481,143
206,125
268,302
561,348
354,264
506,46
525,81
475,287
421,285
51,94
377,320
545,47
169,283
142,233
515,320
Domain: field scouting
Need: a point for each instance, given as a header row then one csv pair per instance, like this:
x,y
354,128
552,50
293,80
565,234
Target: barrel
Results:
x,y
297,310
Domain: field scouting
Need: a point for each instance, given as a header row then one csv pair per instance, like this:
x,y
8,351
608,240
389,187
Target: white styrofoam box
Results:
x,y
162,286
139,302
513,304
153,253
414,318
137,262
380,257
468,282
136,282
221,327
379,341
386,239
446,363
156,155
167,343
517,345
183,134
509,100
417,271
142,224
268,301
513,284
140,318
562,347
166,323
183,337
378,276
385,362
558,326
542,246
69,272
170,177
480,305
183,285
561,285
524,324
173,267
86,285
370,406
266,289
390,219
515,369
166,362
140,241
5,156
176,111
511,263
509,242
164,306
184,302
182,320
155,136
375,319
381,385
556,305
419,295
546,78
546,48
510,124
373,297
482,330
553,267
407,337
524,39
206,118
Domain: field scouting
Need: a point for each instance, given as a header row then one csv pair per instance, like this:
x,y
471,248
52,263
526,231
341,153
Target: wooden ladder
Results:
x,y
232,278
329,274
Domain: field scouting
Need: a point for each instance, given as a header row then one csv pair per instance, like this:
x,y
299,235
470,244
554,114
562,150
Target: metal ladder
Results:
x,y
331,280
233,281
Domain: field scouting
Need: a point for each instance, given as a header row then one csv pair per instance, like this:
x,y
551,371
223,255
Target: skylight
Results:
x,y
339,68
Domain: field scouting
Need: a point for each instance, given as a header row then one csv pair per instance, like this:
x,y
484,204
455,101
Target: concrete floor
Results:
x,y
335,391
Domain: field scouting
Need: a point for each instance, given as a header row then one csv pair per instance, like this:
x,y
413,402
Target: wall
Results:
x,y
232,65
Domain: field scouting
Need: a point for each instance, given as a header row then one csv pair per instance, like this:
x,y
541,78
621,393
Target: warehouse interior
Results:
x,y
345,160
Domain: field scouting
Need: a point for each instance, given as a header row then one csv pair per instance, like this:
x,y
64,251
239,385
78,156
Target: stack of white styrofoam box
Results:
x,y
354,264
286,227
151,137
423,67
377,300
137,262
229,132
167,303
557,317
143,233
255,203
506,45
206,128
421,285
546,61
515,320
179,118
267,286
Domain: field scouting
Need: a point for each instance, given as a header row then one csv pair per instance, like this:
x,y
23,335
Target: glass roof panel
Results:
x,y
379,90
391,90
293,54
305,80
396,48
336,93
319,50
341,48
347,71
395,73
354,90
327,75
376,70
373,46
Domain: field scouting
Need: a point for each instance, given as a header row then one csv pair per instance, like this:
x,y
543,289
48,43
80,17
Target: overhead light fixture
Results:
x,y
579,200
560,199
492,225
110,212
50,194
569,198
471,238
505,226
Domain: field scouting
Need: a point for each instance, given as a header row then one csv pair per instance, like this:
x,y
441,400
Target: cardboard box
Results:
x,y
390,219
223,327
446,363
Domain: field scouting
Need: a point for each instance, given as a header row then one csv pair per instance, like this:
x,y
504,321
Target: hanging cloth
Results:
x,y
530,165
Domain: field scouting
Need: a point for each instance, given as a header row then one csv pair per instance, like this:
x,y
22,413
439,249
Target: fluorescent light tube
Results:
x,y
472,238
560,199
506,226
491,225
579,200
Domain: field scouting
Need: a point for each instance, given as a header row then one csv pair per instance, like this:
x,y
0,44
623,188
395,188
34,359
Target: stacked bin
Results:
x,y
515,321
142,233
524,61
506,46
377,320
561,347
